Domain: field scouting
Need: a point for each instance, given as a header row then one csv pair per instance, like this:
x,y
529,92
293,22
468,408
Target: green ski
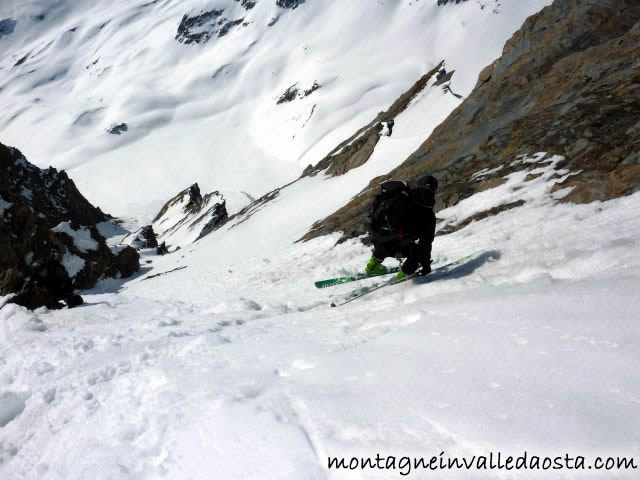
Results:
x,y
352,278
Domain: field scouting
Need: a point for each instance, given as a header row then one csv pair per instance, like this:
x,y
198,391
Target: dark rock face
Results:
x,y
228,26
44,216
313,88
247,4
445,2
289,95
197,29
189,211
218,215
128,262
145,238
568,83
291,4
293,92
118,129
273,21
201,28
7,26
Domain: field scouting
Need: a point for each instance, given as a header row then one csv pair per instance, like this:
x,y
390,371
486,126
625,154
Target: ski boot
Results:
x,y
375,267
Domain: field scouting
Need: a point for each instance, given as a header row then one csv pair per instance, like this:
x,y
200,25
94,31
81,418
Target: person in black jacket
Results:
x,y
402,225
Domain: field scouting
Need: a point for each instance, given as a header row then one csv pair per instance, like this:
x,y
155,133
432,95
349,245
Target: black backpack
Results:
x,y
389,211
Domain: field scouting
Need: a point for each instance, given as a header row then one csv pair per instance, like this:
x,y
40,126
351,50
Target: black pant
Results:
x,y
415,254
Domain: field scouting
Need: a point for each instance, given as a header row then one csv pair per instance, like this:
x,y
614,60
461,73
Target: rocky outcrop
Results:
x,y
311,89
568,83
43,216
247,4
7,26
144,238
445,2
293,92
118,129
291,4
198,28
186,217
203,27
289,95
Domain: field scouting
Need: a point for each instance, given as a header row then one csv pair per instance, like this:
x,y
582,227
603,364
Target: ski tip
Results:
x,y
333,305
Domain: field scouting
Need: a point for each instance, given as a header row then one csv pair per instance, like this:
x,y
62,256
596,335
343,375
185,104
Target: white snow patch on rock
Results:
x,y
81,237
11,406
4,206
72,263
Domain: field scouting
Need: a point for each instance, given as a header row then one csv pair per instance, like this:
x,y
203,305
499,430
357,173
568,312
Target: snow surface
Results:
x,y
112,232
81,237
208,113
222,360
236,367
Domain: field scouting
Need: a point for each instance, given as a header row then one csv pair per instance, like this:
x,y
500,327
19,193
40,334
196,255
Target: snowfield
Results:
x,y
208,112
221,360
236,366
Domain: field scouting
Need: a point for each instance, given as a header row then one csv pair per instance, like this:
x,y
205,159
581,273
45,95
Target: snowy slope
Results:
x,y
236,367
208,112
222,360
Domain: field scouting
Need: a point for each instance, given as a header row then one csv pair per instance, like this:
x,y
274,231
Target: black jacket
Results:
x,y
405,228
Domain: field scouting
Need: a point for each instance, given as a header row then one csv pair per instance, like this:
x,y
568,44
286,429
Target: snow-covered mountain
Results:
x,y
239,96
221,359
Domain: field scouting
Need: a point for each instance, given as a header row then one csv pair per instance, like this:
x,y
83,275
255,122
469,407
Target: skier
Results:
x,y
386,128
162,249
402,224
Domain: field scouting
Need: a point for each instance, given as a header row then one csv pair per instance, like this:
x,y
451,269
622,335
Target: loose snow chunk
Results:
x,y
485,172
11,405
81,237
72,263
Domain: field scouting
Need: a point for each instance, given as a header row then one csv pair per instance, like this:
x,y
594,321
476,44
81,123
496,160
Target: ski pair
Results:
x,y
394,281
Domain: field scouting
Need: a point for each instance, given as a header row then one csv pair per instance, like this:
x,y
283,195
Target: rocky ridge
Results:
x,y
42,214
201,27
357,149
568,83
181,221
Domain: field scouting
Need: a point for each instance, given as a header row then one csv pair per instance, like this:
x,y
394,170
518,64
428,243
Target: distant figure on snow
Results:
x,y
402,224
386,128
